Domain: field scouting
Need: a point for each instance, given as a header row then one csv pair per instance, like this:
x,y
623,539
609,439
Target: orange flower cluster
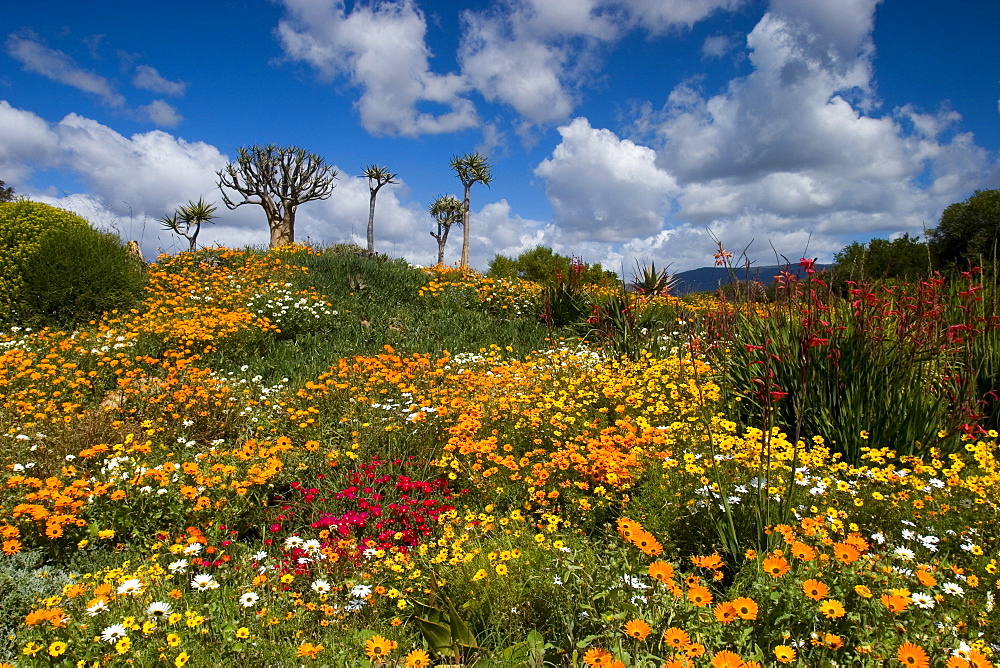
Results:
x,y
635,534
197,303
472,289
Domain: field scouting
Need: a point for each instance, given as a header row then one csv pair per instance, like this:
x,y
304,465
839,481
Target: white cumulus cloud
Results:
x,y
535,55
604,188
798,152
382,49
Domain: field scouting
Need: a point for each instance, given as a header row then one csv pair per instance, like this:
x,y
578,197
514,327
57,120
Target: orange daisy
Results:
x,y
637,628
712,562
978,660
913,655
846,553
832,609
661,570
377,647
647,542
699,596
894,602
597,657
776,566
676,638
802,551
725,612
815,589
727,659
694,650
627,528
418,658
926,579
746,608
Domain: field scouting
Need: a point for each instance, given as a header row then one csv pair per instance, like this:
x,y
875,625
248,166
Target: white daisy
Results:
x,y
311,545
361,591
99,606
922,600
320,587
158,609
203,582
114,633
193,548
952,588
178,566
130,587
904,553
293,542
260,556
248,599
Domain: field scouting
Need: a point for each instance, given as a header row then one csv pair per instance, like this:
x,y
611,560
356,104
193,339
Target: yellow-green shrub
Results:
x,y
23,227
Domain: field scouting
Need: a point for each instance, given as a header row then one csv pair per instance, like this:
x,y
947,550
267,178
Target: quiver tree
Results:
x,y
278,179
187,220
447,211
470,169
378,176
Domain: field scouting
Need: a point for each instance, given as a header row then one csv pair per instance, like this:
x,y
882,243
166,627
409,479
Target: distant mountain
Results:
x,y
708,279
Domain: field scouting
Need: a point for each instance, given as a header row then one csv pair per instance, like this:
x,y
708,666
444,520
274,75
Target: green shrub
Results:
x,y
74,275
23,227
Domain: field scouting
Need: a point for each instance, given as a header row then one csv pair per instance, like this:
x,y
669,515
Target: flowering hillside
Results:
x,y
298,458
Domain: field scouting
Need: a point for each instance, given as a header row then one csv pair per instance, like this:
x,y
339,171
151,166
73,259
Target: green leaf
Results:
x,y
460,631
438,636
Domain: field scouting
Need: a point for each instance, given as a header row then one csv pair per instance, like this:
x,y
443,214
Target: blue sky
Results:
x,y
617,130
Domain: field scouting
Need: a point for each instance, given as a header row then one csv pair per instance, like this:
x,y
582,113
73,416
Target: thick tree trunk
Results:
x,y
465,229
283,230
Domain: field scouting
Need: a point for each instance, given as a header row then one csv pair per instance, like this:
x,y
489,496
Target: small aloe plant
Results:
x,y
648,280
187,220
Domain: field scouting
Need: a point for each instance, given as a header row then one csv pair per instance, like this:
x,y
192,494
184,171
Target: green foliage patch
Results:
x,y
75,275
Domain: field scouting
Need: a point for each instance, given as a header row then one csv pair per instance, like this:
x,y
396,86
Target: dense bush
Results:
x,y
76,274
542,265
23,227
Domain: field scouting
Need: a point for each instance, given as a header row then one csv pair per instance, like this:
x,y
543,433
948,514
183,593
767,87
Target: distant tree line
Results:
x,y
544,266
967,235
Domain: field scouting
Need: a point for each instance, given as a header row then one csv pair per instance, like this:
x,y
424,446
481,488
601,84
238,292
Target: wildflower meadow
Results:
x,y
323,458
